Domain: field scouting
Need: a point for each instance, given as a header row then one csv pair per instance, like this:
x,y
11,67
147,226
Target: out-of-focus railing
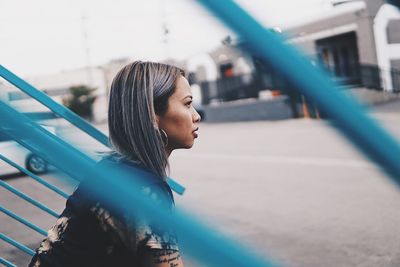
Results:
x,y
358,127
367,76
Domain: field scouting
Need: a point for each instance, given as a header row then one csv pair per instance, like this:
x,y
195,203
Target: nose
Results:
x,y
196,116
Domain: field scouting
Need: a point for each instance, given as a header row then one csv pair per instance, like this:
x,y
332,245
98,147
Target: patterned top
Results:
x,y
88,234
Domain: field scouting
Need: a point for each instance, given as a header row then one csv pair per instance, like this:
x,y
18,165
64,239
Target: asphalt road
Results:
x,y
295,191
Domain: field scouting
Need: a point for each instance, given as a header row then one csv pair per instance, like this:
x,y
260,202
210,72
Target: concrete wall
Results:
x,y
373,6
395,64
370,97
342,19
250,110
278,108
324,23
387,52
366,41
393,31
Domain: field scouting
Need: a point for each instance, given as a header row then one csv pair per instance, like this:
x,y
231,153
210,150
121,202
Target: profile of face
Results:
x,y
180,121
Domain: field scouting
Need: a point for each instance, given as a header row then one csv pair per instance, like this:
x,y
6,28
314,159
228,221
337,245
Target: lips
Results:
x,y
194,132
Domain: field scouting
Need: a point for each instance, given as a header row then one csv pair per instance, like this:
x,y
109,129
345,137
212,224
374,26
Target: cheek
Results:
x,y
181,121
179,124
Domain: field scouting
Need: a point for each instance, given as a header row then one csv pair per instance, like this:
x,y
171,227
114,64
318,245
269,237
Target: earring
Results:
x,y
164,137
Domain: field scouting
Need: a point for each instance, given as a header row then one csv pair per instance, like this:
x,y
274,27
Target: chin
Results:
x,y
188,145
184,144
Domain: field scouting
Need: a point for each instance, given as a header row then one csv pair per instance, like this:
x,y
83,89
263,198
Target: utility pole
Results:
x,y
165,28
86,47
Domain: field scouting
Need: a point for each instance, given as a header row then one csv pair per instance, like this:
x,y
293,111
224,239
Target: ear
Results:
x,y
157,122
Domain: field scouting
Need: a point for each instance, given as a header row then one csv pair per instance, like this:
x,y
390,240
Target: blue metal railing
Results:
x,y
23,221
53,106
16,244
6,263
28,199
198,239
67,114
35,177
194,235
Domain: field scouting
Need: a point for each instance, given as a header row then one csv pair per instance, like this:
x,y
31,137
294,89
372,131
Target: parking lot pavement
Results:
x,y
294,190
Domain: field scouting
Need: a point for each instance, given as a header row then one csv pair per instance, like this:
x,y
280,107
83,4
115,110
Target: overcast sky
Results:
x,y
47,36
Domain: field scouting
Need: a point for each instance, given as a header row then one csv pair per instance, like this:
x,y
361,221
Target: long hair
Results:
x,y
139,91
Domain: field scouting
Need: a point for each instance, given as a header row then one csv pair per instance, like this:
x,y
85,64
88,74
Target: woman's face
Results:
x,y
180,121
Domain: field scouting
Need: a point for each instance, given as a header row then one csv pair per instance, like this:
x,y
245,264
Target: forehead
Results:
x,y
182,88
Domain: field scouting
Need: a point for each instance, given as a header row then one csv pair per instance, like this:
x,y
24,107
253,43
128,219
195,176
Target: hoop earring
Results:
x,y
164,137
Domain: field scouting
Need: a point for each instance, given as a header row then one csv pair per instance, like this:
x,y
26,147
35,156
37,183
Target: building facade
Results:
x,y
358,41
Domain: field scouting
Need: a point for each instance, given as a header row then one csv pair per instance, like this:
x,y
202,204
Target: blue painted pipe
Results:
x,y
17,244
23,221
35,177
28,199
6,263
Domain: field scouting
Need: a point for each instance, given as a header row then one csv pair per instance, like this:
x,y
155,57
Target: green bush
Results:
x,y
81,101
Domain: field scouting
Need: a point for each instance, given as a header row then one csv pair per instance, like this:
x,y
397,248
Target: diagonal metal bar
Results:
x,y
28,199
7,263
68,115
17,244
35,177
23,221
348,115
177,187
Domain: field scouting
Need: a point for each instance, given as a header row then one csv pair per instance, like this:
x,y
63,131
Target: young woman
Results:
x,y
150,115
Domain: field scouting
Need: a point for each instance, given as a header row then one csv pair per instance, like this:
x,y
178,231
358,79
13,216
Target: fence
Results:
x,y
268,78
201,240
372,77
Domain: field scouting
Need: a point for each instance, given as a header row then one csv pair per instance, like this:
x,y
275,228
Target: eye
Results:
x,y
189,104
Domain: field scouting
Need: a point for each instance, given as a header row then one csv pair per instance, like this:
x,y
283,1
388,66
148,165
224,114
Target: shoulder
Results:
x,y
130,226
148,183
130,174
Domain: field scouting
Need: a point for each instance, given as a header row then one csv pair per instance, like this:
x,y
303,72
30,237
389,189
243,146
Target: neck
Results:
x,y
168,150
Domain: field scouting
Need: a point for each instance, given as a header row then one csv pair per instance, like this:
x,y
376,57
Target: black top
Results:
x,y
88,234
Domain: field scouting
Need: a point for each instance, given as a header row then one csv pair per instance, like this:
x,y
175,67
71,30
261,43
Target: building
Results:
x,y
358,41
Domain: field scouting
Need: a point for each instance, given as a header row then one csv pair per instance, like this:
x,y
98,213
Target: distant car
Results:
x,y
21,156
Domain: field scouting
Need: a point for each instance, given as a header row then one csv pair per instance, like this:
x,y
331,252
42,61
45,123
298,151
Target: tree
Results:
x,y
81,101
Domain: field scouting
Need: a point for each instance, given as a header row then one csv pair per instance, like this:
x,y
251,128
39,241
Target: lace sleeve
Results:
x,y
136,233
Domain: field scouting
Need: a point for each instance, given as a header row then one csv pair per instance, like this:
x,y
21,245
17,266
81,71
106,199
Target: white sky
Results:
x,y
47,36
